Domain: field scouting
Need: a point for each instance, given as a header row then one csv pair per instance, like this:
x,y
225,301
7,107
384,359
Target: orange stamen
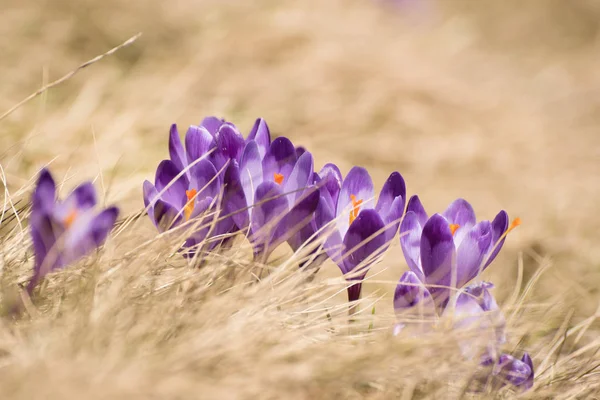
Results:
x,y
188,209
454,228
355,208
516,222
278,178
70,218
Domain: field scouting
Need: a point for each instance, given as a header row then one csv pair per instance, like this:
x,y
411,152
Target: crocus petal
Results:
x,y
529,381
166,177
392,218
358,183
515,372
44,238
299,178
438,256
471,252
363,242
234,199
393,187
499,227
102,224
176,151
229,145
299,216
332,177
261,135
212,124
203,178
414,205
410,241
460,213
270,205
481,294
411,293
198,142
299,151
83,197
251,170
324,215
166,216
150,197
44,195
280,158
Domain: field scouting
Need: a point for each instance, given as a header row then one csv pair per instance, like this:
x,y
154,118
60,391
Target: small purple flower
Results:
x,y
510,370
412,300
271,193
65,231
359,229
448,250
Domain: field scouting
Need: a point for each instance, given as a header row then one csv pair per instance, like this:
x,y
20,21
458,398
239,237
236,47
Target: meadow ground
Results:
x,y
497,102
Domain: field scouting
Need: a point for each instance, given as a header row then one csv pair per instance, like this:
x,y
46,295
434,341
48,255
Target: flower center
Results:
x,y
355,208
278,178
188,209
70,218
454,228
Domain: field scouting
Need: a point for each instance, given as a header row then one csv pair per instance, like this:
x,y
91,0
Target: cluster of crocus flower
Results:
x,y
218,183
445,252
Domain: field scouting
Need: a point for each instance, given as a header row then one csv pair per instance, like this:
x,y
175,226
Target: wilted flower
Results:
x,y
64,231
361,229
448,250
271,194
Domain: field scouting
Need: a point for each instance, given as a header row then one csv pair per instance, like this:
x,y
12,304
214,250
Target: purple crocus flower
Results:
x,y
448,250
328,179
411,295
65,231
360,229
271,194
510,370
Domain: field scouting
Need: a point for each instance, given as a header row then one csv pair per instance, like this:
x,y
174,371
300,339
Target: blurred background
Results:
x,y
497,102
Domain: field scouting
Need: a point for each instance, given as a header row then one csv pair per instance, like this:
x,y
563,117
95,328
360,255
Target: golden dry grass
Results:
x,y
497,102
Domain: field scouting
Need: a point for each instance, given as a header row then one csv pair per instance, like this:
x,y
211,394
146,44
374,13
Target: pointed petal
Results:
x,y
499,226
176,151
270,205
203,178
166,177
438,257
324,215
280,158
229,145
198,142
212,124
261,135
410,241
44,238
529,381
44,195
460,213
103,223
471,252
83,197
363,242
514,372
299,179
414,205
234,199
358,183
251,170
393,187
332,178
393,217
